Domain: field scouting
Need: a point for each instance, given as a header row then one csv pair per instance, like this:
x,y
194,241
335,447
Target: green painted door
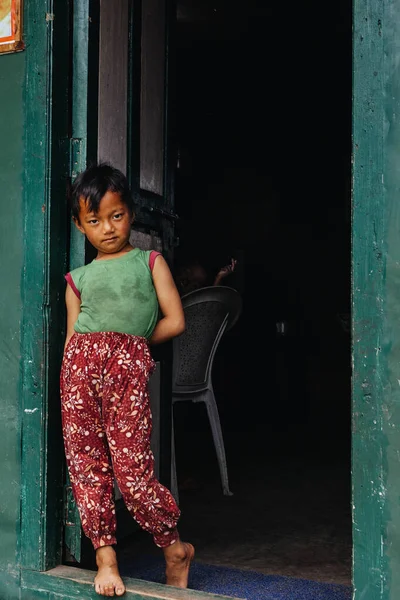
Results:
x,y
83,142
376,305
121,113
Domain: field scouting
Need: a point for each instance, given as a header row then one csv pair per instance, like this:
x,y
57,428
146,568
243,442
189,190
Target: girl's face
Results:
x,y
108,229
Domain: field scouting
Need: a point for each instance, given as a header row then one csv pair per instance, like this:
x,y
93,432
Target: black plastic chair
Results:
x,y
209,313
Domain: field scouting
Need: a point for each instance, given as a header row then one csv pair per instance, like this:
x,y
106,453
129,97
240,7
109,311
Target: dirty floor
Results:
x,y
290,509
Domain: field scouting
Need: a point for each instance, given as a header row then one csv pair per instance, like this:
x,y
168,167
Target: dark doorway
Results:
x,y
264,129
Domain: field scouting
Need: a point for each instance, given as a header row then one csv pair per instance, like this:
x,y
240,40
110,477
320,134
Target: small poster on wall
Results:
x,y
10,26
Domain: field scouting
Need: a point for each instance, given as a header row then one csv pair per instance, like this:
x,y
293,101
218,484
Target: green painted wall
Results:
x,y
12,71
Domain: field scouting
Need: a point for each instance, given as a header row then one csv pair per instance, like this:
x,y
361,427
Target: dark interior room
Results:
x,y
264,124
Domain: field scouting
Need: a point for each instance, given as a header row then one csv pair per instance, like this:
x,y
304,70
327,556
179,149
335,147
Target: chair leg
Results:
x,y
174,479
216,430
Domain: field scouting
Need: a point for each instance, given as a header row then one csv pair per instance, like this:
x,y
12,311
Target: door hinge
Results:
x,y
77,156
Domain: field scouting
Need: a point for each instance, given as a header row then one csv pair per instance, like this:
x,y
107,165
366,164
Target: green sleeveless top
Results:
x,y
117,294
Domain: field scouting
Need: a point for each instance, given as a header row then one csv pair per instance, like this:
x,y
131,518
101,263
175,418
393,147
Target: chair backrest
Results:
x,y
209,312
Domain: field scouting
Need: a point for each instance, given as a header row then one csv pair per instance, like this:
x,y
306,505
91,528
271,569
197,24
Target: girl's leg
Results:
x,y
86,449
128,424
178,558
128,420
87,453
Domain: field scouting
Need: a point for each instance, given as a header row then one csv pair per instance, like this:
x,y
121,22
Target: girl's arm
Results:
x,y
73,304
172,323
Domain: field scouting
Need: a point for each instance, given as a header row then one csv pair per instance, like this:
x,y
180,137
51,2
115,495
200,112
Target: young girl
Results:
x,y
112,316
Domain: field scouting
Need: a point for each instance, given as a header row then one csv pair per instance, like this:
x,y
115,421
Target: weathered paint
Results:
x,y
12,69
390,97
376,299
45,244
82,149
69,582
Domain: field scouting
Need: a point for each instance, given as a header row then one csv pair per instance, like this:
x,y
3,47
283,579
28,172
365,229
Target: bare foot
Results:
x,y
108,581
178,558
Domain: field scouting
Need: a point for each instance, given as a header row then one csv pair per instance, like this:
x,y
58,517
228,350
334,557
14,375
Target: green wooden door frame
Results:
x,y
376,300
45,169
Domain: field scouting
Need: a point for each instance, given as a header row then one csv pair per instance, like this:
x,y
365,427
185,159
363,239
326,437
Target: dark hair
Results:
x,y
92,185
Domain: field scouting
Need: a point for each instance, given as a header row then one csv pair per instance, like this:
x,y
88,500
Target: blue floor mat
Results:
x,y
239,583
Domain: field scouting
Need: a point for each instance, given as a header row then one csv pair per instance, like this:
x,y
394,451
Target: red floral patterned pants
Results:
x,y
107,425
